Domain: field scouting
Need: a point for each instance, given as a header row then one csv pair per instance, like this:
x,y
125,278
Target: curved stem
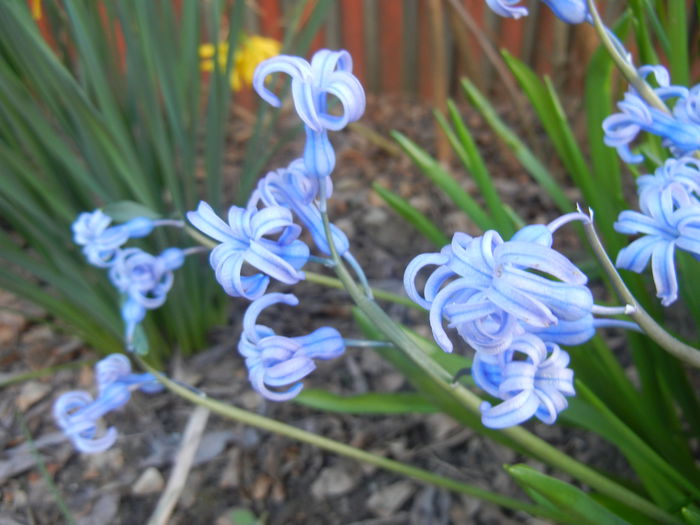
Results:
x,y
265,423
625,67
646,322
332,282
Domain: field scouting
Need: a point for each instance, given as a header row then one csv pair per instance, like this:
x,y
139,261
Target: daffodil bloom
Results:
x,y
251,52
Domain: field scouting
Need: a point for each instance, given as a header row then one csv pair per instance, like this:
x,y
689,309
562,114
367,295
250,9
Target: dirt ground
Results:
x,y
240,473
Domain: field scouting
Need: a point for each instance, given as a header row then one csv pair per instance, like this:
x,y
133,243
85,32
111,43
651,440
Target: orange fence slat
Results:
x,y
391,45
351,20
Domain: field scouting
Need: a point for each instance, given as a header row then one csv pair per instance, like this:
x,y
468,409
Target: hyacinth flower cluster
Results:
x,y
514,302
261,241
679,128
142,279
669,219
78,414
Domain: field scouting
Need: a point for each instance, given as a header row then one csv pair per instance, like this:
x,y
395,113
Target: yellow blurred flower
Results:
x,y
36,9
250,53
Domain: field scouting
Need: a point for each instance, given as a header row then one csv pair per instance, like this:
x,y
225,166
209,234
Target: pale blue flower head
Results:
x,y
531,377
669,221
621,129
276,362
292,188
144,280
328,74
570,11
672,176
100,241
492,291
245,240
78,415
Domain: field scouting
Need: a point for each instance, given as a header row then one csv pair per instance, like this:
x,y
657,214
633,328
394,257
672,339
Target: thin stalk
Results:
x,y
626,68
265,423
647,323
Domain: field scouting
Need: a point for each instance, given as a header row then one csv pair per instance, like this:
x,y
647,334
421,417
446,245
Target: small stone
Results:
x,y
31,393
150,482
11,324
334,481
387,500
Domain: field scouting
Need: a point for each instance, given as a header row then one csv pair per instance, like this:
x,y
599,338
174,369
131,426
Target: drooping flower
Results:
x,y
294,189
669,221
100,241
328,74
492,291
282,362
78,415
144,280
673,176
244,240
570,11
531,376
252,50
681,134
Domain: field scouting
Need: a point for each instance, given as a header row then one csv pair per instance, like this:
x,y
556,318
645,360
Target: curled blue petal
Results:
x,y
507,8
282,362
245,239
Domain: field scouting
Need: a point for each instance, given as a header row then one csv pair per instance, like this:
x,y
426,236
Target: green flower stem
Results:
x,y
646,322
626,68
332,282
265,423
536,446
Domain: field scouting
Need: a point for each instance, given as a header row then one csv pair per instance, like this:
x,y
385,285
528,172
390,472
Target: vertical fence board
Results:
x,y
390,45
270,13
351,21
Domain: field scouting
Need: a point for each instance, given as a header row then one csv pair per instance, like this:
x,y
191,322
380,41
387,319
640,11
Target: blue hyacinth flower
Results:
x,y
669,221
570,11
244,240
144,280
673,176
78,415
100,241
531,377
328,74
282,362
491,291
291,188
679,131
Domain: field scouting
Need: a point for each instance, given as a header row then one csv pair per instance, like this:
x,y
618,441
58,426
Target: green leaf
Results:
x,y
579,506
691,514
123,211
374,403
414,217
443,180
533,165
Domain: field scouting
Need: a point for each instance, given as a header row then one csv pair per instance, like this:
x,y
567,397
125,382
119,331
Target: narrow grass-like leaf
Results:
x,y
463,144
579,506
536,169
414,217
443,180
374,403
